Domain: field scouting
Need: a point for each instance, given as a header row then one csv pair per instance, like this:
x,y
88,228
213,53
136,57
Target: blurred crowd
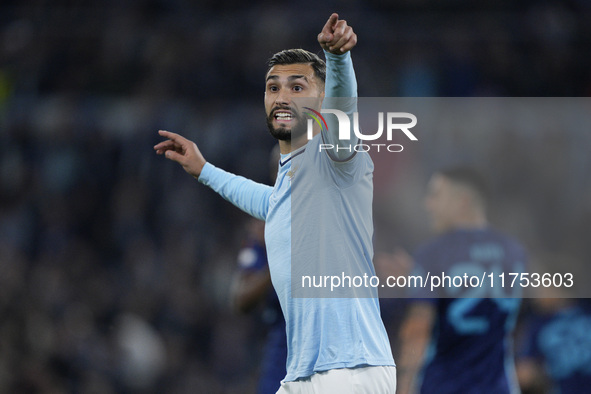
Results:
x,y
115,266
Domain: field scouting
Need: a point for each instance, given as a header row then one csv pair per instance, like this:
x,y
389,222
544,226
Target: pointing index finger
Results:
x,y
332,20
330,23
172,136
326,35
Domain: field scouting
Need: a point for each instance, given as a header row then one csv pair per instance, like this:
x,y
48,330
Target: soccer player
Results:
x,y
335,345
253,291
461,345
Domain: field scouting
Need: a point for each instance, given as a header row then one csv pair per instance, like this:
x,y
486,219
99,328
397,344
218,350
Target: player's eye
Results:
x,y
273,88
298,88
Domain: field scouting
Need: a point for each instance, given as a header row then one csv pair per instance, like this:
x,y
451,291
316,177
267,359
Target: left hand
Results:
x,y
336,36
178,148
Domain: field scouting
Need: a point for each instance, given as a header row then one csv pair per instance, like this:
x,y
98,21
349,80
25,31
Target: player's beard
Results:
x,y
283,133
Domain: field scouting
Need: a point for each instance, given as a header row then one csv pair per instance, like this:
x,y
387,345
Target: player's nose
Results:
x,y
283,97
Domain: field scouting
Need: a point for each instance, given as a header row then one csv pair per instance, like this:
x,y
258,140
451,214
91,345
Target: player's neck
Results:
x,y
286,147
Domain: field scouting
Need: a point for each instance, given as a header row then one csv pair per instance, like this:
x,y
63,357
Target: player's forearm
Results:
x,y
340,76
251,197
340,94
408,368
414,336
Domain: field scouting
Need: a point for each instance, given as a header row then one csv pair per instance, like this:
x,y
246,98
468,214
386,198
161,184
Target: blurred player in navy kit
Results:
x,y
460,345
556,354
253,291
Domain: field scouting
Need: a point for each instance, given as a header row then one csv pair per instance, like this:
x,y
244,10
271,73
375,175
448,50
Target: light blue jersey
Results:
x,y
318,219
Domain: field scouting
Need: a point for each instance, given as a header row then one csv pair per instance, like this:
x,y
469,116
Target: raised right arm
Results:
x,y
337,39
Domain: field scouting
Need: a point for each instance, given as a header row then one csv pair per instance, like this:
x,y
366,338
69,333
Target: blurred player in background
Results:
x,y
461,345
556,355
335,345
253,291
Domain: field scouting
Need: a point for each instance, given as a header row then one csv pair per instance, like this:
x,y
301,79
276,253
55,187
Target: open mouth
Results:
x,y
283,116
